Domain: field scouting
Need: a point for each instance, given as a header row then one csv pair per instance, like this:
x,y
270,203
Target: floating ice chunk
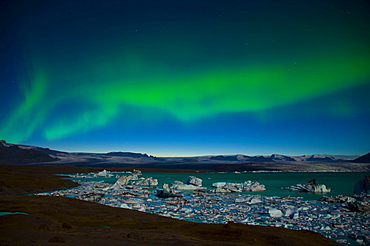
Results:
x,y
255,200
104,173
186,210
290,211
136,172
123,180
218,184
178,185
124,205
185,187
166,188
311,187
163,194
276,213
241,199
194,181
147,182
223,187
295,216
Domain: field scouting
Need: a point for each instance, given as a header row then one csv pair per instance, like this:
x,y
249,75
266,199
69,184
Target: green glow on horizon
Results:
x,y
187,98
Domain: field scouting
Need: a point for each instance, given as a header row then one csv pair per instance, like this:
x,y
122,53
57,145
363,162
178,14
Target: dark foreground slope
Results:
x,y
67,221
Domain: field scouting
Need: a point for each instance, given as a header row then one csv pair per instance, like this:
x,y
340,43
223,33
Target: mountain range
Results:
x,y
24,154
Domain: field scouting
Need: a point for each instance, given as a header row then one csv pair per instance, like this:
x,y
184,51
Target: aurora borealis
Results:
x,y
174,78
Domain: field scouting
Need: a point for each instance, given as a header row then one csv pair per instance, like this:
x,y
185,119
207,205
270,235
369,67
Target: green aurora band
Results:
x,y
103,98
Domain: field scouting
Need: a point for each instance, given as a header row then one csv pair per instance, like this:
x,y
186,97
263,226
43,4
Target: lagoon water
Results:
x,y
340,183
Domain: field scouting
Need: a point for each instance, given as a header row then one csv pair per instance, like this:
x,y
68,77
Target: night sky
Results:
x,y
180,78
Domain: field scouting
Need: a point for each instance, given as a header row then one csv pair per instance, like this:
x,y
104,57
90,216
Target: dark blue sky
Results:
x,y
174,78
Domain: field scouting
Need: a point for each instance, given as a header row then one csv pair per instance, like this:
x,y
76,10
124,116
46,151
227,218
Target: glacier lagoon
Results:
x,y
273,207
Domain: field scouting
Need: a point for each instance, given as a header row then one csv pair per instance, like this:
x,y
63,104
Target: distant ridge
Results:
x,y
126,154
224,158
363,159
275,158
24,154
13,154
